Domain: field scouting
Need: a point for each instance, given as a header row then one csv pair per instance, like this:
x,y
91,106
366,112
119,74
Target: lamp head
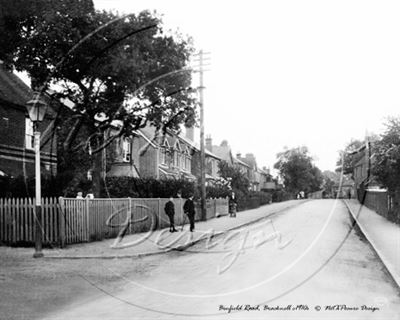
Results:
x,y
36,108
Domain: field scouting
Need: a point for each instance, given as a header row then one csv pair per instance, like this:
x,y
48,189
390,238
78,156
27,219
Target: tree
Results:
x,y
329,180
297,170
353,152
349,156
233,174
386,162
113,68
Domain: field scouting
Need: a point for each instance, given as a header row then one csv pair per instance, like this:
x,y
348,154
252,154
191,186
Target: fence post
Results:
x,y
61,220
159,213
87,231
129,214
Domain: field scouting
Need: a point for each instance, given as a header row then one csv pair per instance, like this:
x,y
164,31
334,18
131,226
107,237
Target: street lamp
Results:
x,y
37,110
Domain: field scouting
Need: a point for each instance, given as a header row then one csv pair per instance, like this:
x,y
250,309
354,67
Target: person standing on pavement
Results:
x,y
170,212
188,209
232,204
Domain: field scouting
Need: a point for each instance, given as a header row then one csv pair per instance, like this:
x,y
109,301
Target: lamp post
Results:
x,y
37,110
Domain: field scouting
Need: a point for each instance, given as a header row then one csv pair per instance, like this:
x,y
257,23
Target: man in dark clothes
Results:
x,y
170,212
232,204
188,208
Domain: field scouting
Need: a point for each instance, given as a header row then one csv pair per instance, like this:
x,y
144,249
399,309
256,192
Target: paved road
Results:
x,y
300,260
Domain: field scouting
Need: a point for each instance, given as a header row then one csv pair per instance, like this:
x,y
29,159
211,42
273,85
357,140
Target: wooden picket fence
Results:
x,y
71,220
17,220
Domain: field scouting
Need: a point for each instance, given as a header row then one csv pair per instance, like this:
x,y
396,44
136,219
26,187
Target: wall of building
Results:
x,y
148,162
15,159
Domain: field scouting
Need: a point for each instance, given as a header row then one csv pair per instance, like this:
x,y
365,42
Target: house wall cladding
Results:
x,y
11,122
15,159
149,162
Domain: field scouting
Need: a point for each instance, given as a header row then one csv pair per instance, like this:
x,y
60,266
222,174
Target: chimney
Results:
x,y
209,143
250,156
238,155
190,133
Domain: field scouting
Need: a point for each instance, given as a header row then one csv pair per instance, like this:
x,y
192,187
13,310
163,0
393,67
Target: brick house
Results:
x,y
16,130
146,155
267,183
224,152
360,170
253,173
260,179
211,163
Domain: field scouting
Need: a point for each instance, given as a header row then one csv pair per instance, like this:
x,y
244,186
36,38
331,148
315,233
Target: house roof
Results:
x,y
12,88
14,91
241,162
197,147
263,171
223,152
150,131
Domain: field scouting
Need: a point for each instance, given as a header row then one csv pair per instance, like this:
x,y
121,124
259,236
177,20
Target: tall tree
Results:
x,y
233,174
350,156
297,170
386,156
113,68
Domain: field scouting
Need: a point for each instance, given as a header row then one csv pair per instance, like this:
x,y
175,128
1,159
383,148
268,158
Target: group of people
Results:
x,y
79,195
188,209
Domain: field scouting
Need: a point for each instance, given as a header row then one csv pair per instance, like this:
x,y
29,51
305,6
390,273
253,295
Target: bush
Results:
x,y
22,186
121,187
281,195
217,192
252,199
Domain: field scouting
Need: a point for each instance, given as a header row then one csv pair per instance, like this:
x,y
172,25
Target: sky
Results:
x,y
290,73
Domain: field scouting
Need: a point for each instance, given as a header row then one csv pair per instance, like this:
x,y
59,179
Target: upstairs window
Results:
x,y
29,138
176,159
163,158
188,164
126,150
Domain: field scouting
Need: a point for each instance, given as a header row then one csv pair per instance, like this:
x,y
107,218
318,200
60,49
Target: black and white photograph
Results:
x,y
171,159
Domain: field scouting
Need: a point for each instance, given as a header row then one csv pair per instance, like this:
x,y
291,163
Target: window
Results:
x,y
29,138
162,156
176,159
188,164
126,150
183,162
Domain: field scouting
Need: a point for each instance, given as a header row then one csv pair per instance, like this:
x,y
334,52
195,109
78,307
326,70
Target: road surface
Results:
x,y
305,263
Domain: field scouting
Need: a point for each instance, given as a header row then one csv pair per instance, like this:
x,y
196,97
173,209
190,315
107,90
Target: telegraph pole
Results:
x,y
201,70
202,151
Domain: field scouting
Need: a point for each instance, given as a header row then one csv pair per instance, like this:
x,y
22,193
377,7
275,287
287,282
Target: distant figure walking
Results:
x,y
188,209
170,212
232,204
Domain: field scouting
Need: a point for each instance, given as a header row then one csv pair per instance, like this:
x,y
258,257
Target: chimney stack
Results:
x,y
209,143
190,133
238,155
